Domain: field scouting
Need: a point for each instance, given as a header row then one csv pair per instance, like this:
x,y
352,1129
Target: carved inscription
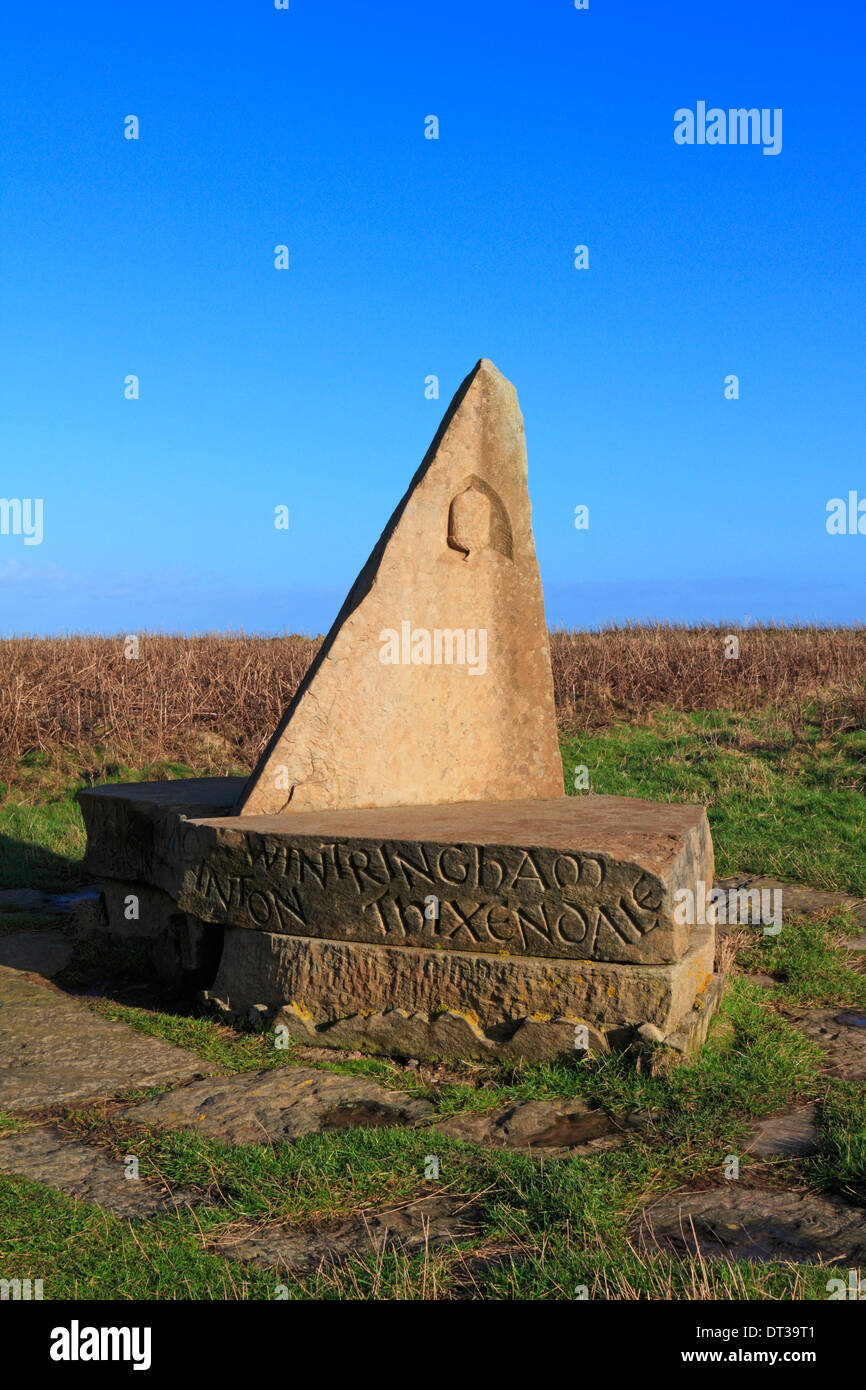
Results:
x,y
494,898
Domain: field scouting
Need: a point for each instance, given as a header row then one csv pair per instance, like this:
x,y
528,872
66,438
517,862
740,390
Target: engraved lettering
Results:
x,y
405,866
359,861
216,890
451,873
259,907
591,872
504,917
413,918
620,924
647,894
393,928
264,861
572,925
320,871
566,871
463,919
643,922
289,906
529,871
530,916
493,863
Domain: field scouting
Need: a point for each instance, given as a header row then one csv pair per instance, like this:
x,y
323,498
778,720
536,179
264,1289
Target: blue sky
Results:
x,y
411,257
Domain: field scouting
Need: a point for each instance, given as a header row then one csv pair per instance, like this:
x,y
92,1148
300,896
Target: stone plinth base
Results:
x,y
449,1004
472,929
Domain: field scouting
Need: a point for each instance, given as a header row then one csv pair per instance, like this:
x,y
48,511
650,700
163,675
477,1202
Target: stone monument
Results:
x,y
402,872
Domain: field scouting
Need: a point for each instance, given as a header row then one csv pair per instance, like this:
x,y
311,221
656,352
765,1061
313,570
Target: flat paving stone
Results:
x,y
429,1221
796,899
755,1224
79,1170
790,1134
264,1107
54,1050
765,981
554,1128
841,1036
36,952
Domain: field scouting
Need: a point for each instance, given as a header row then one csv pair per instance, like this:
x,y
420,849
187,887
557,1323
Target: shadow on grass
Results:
x,y
28,864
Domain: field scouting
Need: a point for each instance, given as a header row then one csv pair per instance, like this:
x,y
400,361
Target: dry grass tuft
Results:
x,y
626,672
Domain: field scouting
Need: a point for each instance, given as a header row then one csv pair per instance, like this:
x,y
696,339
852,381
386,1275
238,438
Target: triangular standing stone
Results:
x,y
434,683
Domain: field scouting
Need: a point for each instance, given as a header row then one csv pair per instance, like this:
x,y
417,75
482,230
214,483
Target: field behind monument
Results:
x,y
81,703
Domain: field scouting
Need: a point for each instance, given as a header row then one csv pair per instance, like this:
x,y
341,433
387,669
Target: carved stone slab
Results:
x,y
581,878
449,1003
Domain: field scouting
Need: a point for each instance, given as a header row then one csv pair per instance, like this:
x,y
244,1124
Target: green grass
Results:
x,y
83,1254
841,1160
10,1122
779,804
808,954
42,835
41,846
